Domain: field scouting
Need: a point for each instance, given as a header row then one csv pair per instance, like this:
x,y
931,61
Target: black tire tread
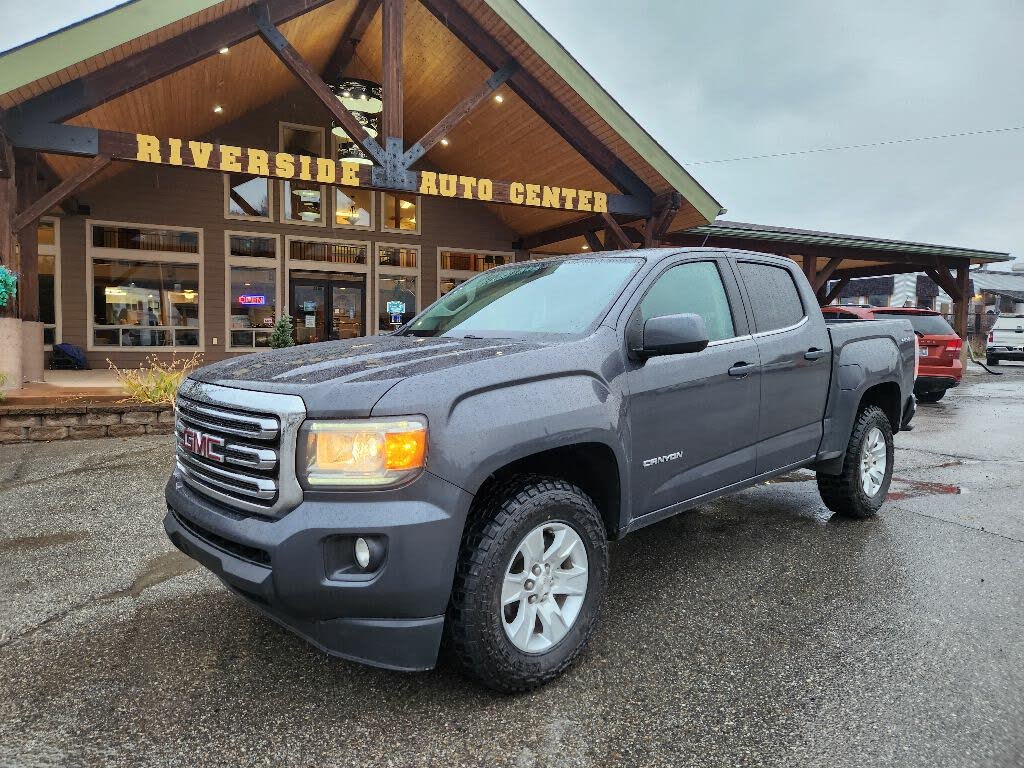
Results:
x,y
469,646
842,493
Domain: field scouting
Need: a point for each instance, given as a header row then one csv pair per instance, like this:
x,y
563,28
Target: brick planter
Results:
x,y
28,423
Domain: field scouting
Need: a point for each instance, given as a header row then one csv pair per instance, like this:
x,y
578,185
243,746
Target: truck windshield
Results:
x,y
540,297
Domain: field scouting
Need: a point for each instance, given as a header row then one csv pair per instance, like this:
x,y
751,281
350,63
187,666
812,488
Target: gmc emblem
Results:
x,y
202,444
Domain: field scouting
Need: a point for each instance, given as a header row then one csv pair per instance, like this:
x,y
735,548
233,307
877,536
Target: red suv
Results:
x,y
938,345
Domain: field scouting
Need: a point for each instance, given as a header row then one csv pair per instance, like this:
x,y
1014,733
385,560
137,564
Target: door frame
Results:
x,y
328,280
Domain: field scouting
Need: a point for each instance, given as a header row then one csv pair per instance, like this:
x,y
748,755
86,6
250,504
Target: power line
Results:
x,y
858,146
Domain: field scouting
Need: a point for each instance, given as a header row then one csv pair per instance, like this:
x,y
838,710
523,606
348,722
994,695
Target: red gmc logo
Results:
x,y
202,444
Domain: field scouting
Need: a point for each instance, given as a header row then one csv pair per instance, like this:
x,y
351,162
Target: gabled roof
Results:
x,y
108,38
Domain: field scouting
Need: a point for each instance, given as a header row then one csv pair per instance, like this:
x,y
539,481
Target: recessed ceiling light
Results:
x,y
225,49
499,98
444,142
586,247
218,109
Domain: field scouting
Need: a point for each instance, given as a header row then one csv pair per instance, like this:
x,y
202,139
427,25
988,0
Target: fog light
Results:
x,y
362,553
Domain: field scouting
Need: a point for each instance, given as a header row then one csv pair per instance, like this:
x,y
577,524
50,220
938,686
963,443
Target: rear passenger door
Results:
x,y
796,363
693,417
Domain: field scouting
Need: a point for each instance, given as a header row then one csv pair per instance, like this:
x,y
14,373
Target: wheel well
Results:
x,y
887,397
591,466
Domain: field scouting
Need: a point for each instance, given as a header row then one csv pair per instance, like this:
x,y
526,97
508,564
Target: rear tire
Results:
x,y
931,397
861,488
516,619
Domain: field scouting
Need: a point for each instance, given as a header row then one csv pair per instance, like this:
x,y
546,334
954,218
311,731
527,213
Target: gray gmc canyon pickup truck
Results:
x,y
461,478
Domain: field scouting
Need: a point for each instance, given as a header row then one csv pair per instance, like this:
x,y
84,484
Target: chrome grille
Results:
x,y
237,447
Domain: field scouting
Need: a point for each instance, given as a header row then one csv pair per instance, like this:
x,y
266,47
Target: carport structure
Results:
x,y
829,260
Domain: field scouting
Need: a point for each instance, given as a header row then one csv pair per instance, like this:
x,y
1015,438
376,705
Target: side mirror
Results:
x,y
673,335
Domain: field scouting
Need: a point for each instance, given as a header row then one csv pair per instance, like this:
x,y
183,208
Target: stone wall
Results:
x,y
24,423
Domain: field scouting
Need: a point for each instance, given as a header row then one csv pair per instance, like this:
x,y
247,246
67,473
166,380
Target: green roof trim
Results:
x,y
743,230
570,70
85,39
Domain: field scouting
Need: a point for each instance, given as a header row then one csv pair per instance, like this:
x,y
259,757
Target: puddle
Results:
x,y
158,570
912,489
30,543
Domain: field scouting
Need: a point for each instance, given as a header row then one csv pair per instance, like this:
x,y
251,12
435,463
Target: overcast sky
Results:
x,y
717,80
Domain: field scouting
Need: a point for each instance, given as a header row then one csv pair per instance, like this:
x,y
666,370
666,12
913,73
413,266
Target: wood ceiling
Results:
x,y
506,140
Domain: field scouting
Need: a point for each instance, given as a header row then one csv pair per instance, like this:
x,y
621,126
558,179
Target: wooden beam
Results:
x,y
659,224
244,204
577,228
301,69
458,113
962,308
28,189
81,141
150,64
833,294
942,278
351,37
810,266
821,278
593,240
613,232
391,64
58,193
880,270
8,202
540,100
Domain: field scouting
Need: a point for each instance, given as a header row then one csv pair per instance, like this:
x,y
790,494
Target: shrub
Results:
x,y
282,335
3,380
8,285
155,382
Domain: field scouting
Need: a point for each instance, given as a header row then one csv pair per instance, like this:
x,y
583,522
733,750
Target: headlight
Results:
x,y
361,454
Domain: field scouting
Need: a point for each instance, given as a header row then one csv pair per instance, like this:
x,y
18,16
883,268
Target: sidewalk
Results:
x,y
63,387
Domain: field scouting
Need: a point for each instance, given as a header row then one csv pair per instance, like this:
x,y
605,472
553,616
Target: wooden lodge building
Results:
x,y
176,175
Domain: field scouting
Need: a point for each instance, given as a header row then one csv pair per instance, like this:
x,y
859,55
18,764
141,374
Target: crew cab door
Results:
x,y
693,417
796,362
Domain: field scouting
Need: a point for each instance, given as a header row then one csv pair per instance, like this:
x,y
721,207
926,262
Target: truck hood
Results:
x,y
345,378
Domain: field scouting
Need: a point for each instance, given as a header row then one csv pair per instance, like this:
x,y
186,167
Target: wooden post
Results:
x,y
962,307
593,241
392,74
28,240
8,202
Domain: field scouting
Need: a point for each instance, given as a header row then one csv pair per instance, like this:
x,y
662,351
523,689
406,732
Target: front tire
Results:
x,y
867,471
529,584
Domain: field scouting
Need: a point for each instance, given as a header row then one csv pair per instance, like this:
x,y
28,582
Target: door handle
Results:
x,y
740,369
814,353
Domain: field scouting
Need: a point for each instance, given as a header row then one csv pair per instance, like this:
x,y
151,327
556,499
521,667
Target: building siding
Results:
x,y
169,196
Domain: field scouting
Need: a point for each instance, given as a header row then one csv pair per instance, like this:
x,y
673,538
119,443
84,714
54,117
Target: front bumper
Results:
x,y
392,618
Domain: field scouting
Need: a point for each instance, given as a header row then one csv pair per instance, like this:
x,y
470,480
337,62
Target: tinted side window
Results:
x,y
773,296
697,288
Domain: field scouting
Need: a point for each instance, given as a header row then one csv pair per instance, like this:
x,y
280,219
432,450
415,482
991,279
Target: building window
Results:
x,y
48,241
145,286
401,213
455,267
145,304
131,238
302,199
398,282
252,289
353,208
327,252
247,197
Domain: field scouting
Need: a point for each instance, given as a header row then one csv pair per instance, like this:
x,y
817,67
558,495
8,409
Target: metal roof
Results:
x,y
740,229
997,281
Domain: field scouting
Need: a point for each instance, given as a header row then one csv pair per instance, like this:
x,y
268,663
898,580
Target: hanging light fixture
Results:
x,y
350,152
370,123
357,94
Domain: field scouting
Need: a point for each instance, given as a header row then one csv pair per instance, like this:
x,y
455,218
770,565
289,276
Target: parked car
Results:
x,y
939,346
463,476
1006,339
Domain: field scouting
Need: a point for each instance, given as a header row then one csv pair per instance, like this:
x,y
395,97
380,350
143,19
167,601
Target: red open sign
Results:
x,y
257,301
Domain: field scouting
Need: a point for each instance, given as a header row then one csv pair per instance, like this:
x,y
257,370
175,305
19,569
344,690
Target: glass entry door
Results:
x,y
327,306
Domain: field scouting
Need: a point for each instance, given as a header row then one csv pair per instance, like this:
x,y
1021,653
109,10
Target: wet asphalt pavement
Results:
x,y
752,631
